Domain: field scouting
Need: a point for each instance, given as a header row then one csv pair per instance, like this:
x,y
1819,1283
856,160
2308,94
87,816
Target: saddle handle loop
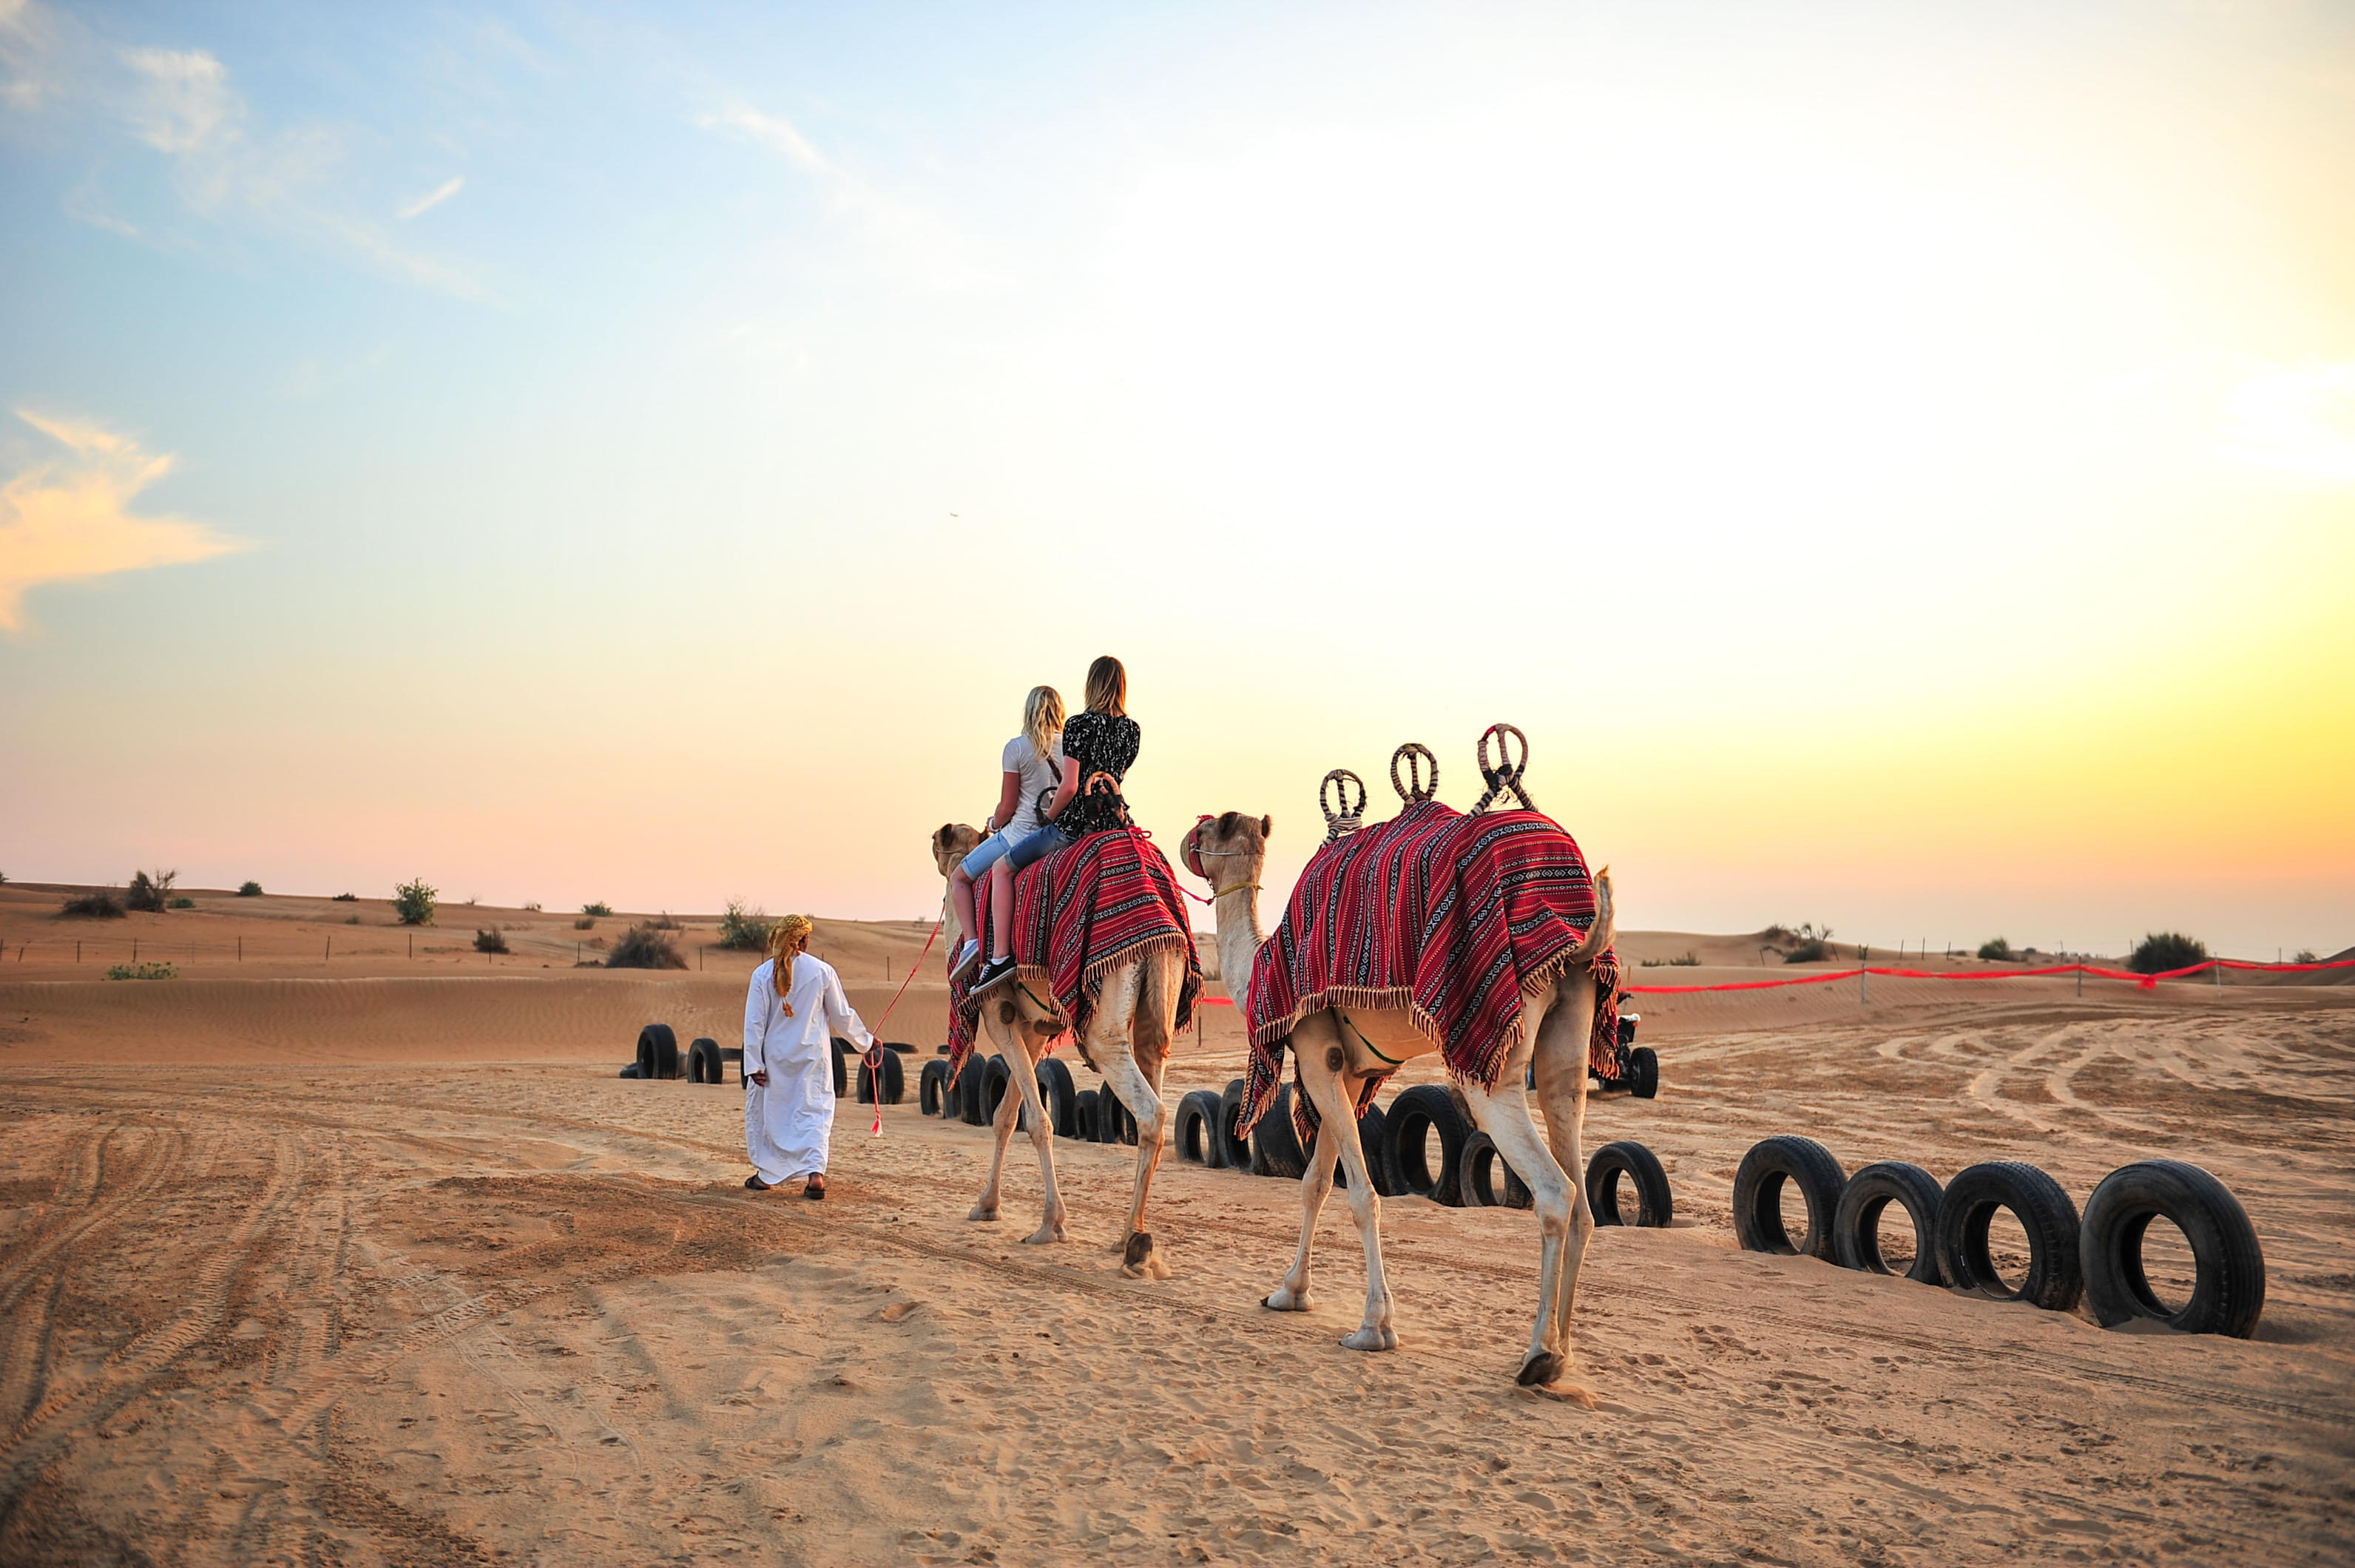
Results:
x,y
1346,819
1414,791
1505,776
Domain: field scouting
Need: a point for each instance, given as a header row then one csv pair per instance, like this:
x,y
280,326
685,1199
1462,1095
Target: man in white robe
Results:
x,y
789,1062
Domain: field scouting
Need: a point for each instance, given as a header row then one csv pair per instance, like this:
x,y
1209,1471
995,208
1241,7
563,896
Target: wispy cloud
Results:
x,y
183,106
70,518
2296,420
434,197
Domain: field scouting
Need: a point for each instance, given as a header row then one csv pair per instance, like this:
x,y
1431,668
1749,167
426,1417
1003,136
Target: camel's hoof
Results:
x,y
1540,1370
1045,1235
1370,1339
981,1211
1286,1299
1138,1259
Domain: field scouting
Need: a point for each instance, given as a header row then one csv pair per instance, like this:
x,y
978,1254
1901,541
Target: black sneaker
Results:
x,y
996,970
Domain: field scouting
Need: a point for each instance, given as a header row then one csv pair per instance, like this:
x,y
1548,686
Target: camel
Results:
x,y
1127,1043
1339,1050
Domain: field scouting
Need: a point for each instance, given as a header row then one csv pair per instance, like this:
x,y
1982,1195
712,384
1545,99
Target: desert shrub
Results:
x,y
662,922
353,919
93,906
1807,950
141,972
2163,950
150,892
414,903
586,922
1997,951
643,947
183,903
1777,931
346,898
491,941
2305,955
1683,961
600,908
532,908
249,889
742,930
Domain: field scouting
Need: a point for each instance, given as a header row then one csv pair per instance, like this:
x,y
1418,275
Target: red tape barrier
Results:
x,y
2147,982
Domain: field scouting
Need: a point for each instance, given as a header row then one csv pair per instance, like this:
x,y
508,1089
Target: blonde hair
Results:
x,y
1107,687
1042,718
787,938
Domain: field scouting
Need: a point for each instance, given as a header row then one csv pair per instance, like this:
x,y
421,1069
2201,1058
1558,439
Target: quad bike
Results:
x,y
1635,1067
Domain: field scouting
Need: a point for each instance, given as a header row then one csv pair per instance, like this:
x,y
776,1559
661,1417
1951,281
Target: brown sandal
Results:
x,y
813,1189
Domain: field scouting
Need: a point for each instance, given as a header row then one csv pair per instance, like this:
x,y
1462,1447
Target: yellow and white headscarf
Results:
x,y
788,937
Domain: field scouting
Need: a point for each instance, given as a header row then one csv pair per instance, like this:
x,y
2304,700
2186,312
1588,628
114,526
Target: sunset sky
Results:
x,y
1896,462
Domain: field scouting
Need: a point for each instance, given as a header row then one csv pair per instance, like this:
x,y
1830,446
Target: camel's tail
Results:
x,y
1599,936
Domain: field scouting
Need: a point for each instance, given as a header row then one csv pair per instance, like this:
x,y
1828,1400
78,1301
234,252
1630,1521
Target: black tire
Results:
x,y
1856,1224
843,1049
971,1086
1656,1205
1422,1109
1059,1095
996,1083
1644,1073
2055,1281
2229,1290
1476,1178
930,1084
1606,1085
1115,1120
1274,1144
657,1051
1083,1116
1758,1196
1236,1146
1374,1140
887,1069
632,1071
703,1063
901,1046
1197,1129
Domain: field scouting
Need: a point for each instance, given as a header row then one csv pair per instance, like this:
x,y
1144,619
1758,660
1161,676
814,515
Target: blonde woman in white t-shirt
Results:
x,y
1033,765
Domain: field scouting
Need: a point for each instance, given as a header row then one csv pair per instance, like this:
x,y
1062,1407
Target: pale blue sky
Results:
x,y
1814,423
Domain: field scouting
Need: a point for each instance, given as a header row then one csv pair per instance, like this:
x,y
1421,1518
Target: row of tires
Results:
x,y
2095,1257
705,1061
1470,1172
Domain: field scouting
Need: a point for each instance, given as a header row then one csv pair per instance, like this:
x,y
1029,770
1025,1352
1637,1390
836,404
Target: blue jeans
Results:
x,y
1032,846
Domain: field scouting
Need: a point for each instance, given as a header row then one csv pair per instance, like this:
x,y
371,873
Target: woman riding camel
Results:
x,y
792,1010
1099,748
1018,831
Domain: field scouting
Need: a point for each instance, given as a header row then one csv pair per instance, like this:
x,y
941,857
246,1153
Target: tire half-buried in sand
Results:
x,y
2053,1280
2229,1290
1655,1204
1758,1184
1856,1226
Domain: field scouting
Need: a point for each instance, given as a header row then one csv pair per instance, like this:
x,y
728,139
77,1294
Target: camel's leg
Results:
x,y
1503,1113
1333,1091
1109,1044
1004,1035
1042,1136
1561,1062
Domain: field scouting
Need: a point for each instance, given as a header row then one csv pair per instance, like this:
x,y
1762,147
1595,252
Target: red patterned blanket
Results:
x,y
1449,916
1079,914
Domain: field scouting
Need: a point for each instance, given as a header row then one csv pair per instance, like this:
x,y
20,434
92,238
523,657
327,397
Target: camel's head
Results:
x,y
953,843
1227,850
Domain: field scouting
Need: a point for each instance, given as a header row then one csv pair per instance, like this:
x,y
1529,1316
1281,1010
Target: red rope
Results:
x,y
2147,982
874,1061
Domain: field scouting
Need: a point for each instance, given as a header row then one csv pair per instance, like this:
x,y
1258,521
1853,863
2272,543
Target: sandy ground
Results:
x,y
387,1266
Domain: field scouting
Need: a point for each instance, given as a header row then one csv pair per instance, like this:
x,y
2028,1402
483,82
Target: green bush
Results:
x,y
141,972
1807,950
1683,961
150,893
742,930
414,903
491,941
594,910
92,906
586,922
2163,950
249,889
2305,955
183,903
346,898
643,947
1997,951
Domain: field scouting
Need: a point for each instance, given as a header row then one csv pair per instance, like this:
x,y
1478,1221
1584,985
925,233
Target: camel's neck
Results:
x,y
1239,935
949,924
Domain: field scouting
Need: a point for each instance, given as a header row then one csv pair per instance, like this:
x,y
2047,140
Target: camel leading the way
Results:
x,y
1127,1043
1342,1051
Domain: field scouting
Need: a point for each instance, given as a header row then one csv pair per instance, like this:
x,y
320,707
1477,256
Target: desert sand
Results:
x,y
314,1255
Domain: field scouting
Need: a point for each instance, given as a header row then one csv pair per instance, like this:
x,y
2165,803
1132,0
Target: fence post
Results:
x,y
1863,976
2081,979
134,950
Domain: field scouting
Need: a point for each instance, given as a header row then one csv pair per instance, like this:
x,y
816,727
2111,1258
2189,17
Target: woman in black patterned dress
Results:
x,y
1099,748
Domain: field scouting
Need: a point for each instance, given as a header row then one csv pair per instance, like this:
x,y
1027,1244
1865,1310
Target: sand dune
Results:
x,y
393,1269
